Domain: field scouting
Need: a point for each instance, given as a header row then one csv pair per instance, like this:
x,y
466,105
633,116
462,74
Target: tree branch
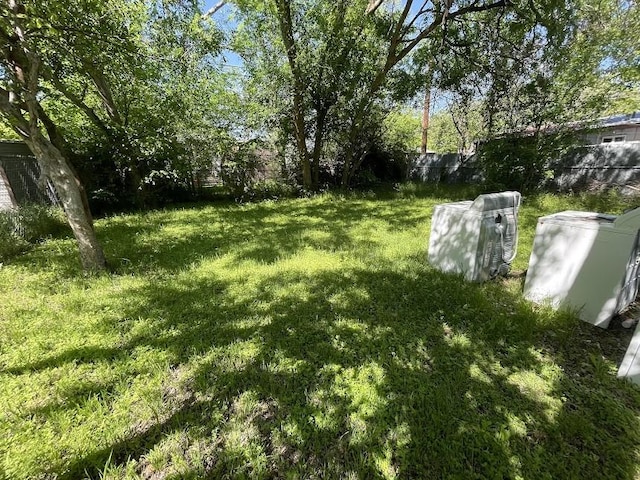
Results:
x,y
13,114
421,12
451,16
373,6
104,91
212,11
73,98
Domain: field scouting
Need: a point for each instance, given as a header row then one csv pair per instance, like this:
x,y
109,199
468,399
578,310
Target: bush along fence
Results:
x,y
579,168
28,212
21,228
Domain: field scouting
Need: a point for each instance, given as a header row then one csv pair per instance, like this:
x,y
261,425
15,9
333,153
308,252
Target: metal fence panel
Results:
x,y
21,183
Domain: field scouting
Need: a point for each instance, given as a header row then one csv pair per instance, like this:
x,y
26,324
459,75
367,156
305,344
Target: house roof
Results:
x,y
620,120
617,120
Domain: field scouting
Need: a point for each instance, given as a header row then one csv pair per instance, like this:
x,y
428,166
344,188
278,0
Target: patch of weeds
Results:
x,y
23,227
11,243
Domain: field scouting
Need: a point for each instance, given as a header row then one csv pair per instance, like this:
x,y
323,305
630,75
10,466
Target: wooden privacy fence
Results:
x,y
605,164
445,168
611,165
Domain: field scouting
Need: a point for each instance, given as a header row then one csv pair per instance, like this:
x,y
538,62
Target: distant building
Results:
x,y
619,128
615,129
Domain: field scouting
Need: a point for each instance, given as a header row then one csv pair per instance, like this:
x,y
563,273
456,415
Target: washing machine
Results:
x,y
587,262
630,366
476,238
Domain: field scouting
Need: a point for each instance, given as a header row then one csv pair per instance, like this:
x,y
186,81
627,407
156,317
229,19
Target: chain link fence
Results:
x,y
20,182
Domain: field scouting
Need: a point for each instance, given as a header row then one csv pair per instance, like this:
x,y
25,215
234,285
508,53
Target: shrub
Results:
x,y
522,163
23,227
386,163
11,243
37,222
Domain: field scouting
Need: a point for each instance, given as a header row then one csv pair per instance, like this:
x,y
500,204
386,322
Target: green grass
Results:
x,y
301,339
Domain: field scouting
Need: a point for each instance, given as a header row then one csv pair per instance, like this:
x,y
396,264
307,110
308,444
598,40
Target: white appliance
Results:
x,y
630,366
585,261
475,238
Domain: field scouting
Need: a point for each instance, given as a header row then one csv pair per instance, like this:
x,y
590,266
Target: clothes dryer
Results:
x,y
475,238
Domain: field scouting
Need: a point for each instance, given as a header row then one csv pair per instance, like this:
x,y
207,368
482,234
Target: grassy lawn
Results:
x,y
301,339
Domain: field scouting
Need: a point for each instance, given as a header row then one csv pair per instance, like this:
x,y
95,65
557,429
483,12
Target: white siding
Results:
x,y
631,133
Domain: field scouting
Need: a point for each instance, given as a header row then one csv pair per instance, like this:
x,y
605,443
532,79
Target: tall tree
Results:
x,y
563,63
156,82
342,66
123,72
30,33
415,24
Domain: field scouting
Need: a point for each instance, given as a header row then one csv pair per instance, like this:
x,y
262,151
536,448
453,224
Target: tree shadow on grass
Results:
x,y
262,232
372,373
342,370
170,240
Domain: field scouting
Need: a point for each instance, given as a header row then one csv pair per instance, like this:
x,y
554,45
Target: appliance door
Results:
x,y
632,277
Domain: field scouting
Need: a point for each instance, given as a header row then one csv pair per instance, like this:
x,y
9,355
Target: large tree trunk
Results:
x,y
24,67
318,145
286,32
346,171
60,143
307,180
57,168
351,165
